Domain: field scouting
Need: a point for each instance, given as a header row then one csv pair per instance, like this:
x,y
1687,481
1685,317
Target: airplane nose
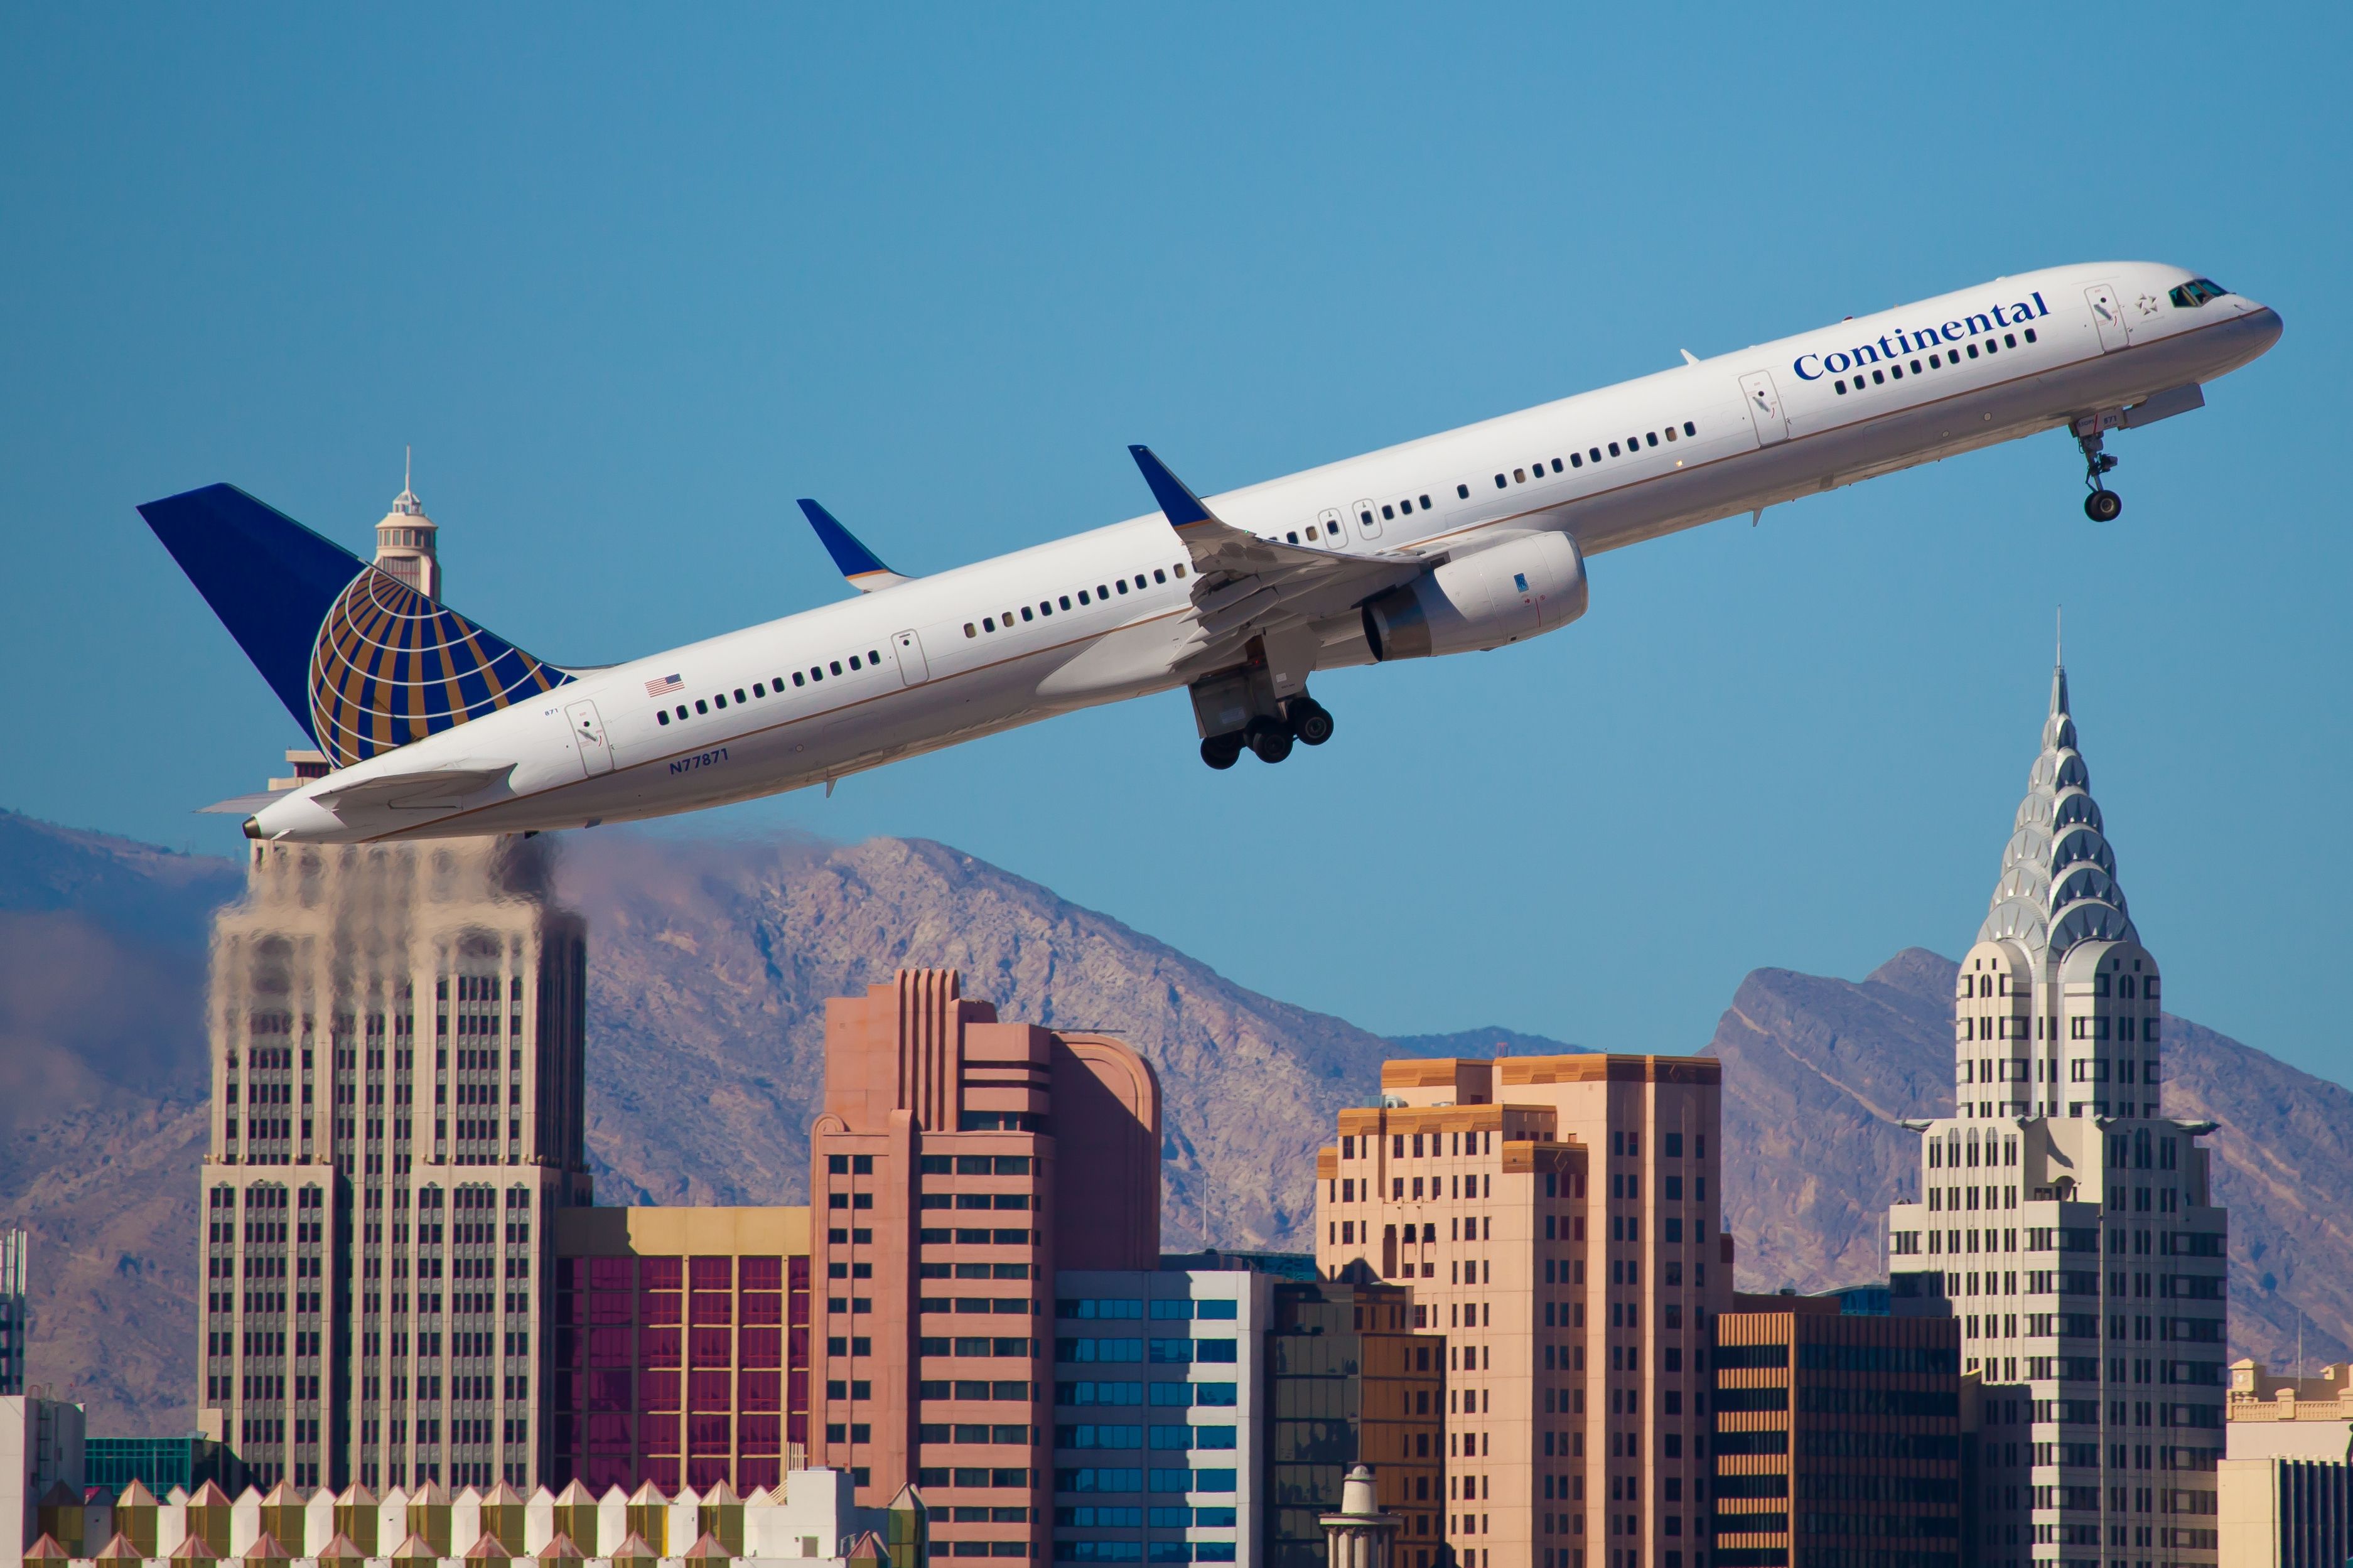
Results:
x,y
2263,323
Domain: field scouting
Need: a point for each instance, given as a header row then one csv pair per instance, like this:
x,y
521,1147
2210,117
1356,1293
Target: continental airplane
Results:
x,y
1459,541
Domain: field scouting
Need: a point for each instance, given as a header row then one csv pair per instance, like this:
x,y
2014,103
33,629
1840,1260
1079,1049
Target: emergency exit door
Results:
x,y
1764,407
2109,316
913,668
588,734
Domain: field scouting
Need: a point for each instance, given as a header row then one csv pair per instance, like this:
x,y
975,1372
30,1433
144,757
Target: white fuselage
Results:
x,y
1766,425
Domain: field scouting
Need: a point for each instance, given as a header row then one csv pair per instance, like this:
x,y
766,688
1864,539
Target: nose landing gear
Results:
x,y
2102,505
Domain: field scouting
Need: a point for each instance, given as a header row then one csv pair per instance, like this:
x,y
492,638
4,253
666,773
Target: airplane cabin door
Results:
x,y
2108,316
913,668
1765,407
588,734
1369,519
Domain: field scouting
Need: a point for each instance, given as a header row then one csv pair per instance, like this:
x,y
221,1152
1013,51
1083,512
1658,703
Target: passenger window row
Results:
x,y
1628,448
813,674
1949,358
1406,506
1104,592
1326,529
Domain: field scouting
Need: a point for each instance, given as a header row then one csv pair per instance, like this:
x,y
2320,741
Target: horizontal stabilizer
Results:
x,y
861,566
243,804
422,789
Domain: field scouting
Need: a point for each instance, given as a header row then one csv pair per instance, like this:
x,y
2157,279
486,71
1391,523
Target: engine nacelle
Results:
x,y
1503,595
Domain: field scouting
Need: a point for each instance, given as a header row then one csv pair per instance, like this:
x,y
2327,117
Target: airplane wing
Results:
x,y
862,568
1244,585
423,789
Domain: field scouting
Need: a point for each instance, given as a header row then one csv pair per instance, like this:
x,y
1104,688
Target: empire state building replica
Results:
x,y
2066,1221
397,1039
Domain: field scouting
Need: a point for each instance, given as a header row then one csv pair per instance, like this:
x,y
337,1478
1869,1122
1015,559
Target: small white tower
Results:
x,y
406,542
1360,1535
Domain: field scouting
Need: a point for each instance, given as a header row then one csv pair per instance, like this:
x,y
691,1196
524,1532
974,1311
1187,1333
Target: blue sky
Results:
x,y
630,280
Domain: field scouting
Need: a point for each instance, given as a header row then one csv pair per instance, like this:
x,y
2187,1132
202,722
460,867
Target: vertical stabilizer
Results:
x,y
364,661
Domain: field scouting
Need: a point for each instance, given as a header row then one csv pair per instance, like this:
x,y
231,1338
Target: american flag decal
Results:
x,y
664,686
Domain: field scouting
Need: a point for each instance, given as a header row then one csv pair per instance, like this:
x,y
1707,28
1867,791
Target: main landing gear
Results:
x,y
2102,505
1303,721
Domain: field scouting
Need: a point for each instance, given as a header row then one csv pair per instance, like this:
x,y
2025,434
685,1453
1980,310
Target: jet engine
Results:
x,y
1503,594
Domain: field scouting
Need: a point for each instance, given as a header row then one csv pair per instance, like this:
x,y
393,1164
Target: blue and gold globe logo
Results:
x,y
391,666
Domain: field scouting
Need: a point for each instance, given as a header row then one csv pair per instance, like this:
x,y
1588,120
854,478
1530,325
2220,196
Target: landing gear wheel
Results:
x,y
1269,738
1310,721
2102,505
1223,752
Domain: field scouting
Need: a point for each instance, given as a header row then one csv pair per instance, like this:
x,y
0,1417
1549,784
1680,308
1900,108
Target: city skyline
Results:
x,y
1069,1133
1468,1096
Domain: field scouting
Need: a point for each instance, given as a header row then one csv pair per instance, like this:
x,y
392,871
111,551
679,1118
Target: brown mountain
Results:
x,y
102,1081
707,1002
711,963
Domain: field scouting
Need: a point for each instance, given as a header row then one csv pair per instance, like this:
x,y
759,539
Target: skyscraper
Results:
x,y
1837,1435
395,1036
959,1163
2065,1220
1556,1217
1349,1377
12,1311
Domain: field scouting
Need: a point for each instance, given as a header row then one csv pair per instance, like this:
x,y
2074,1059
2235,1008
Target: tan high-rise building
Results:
x,y
2065,1220
395,1036
958,1163
1557,1218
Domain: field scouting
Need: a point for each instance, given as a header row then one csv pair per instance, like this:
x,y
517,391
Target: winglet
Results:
x,y
1178,504
861,566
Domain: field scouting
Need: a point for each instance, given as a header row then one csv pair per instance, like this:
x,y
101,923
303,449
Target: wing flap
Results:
x,y
1244,584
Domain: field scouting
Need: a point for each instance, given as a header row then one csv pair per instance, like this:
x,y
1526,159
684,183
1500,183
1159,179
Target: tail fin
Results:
x,y
363,662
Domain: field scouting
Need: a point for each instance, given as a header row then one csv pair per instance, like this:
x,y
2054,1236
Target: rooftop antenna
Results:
x,y
2059,636
407,466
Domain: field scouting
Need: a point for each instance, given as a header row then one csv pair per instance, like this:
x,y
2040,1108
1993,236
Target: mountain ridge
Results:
x,y
711,961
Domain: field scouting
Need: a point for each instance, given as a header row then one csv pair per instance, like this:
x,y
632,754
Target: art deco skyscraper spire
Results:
x,y
2066,1223
2058,883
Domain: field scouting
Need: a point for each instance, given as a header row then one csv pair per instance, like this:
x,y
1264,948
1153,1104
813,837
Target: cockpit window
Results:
x,y
2197,291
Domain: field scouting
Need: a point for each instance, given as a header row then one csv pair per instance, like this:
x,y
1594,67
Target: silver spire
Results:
x,y
2058,883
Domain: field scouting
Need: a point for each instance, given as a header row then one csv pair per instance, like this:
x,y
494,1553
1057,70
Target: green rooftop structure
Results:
x,y
160,1463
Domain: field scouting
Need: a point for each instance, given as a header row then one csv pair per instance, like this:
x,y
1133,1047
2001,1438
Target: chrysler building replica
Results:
x,y
2066,1221
396,1042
